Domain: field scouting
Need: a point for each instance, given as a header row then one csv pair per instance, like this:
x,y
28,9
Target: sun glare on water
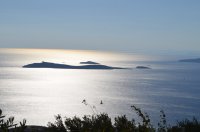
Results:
x,y
72,57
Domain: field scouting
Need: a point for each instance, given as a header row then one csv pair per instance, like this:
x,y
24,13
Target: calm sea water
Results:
x,y
39,94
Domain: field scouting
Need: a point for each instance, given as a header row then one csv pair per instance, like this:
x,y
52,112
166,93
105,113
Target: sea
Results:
x,y
38,94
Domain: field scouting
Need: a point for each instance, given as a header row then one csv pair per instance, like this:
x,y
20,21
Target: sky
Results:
x,y
116,25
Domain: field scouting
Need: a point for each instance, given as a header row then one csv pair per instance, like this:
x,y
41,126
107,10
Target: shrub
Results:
x,y
162,125
145,126
101,123
58,126
122,124
186,125
6,125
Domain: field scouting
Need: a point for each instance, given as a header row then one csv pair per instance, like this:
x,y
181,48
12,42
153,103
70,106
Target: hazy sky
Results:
x,y
121,25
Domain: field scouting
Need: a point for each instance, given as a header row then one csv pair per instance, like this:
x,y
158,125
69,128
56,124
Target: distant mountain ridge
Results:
x,y
197,60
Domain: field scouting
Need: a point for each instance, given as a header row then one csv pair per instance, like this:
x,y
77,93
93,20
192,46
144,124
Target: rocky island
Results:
x,y
89,62
142,67
64,66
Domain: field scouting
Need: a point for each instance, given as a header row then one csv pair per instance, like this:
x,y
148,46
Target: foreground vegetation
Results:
x,y
102,123
7,124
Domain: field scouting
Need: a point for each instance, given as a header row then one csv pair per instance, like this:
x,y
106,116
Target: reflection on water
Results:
x,y
39,94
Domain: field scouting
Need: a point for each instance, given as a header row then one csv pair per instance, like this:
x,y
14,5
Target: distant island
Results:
x,y
142,67
197,60
89,62
64,66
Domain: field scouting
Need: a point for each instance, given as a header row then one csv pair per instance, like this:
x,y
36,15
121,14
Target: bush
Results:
x,y
6,125
122,124
102,123
186,125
